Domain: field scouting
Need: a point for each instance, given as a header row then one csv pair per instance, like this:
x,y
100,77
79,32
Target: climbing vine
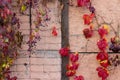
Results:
x,y
102,44
10,39
73,64
103,29
42,19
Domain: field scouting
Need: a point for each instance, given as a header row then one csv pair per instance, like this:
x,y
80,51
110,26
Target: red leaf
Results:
x,y
13,78
104,63
88,18
113,40
88,32
73,66
70,73
81,3
74,57
79,77
102,72
102,44
102,56
64,51
54,31
102,32
10,1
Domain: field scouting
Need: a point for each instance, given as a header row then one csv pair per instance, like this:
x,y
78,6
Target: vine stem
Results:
x,y
86,45
97,21
110,24
30,45
118,28
30,19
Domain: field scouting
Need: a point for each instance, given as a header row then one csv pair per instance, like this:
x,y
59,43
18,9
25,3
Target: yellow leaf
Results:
x,y
105,26
23,8
42,12
3,65
6,40
36,30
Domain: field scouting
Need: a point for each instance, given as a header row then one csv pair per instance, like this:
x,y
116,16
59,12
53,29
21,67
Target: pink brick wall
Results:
x,y
110,13
45,63
109,10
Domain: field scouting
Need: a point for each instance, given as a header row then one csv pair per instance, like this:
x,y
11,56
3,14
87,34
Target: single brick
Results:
x,y
52,54
45,61
23,68
36,68
55,75
21,75
40,75
52,68
22,60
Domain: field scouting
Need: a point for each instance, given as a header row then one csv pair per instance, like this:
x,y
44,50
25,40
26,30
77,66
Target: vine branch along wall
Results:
x,y
45,62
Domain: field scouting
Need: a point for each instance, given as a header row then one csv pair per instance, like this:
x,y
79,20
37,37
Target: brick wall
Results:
x,y
88,65
45,62
109,10
42,65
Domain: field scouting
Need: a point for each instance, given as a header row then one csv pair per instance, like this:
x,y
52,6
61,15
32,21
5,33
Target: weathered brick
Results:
x,y
24,19
52,68
46,54
45,61
22,60
38,54
46,76
37,68
50,39
13,68
21,75
43,46
52,54
55,75
40,75
47,46
22,68
23,54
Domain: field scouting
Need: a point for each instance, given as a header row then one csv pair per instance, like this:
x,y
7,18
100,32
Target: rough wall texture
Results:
x,y
109,10
45,63
88,65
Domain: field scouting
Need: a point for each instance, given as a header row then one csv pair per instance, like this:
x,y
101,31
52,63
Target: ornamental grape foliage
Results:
x,y
10,39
